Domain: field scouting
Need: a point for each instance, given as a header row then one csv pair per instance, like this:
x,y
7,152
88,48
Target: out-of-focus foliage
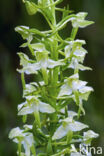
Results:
x,y
12,13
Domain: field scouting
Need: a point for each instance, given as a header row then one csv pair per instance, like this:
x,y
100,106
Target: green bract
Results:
x,y
55,130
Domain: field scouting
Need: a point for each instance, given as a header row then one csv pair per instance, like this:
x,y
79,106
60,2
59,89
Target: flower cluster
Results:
x,y
55,129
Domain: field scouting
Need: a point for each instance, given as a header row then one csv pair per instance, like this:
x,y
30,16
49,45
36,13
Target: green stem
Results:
x,y
37,118
45,75
65,151
23,80
19,148
79,112
31,50
33,150
24,118
66,111
47,19
73,33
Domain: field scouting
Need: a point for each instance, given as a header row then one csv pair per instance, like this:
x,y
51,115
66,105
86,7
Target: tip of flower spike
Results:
x,y
23,1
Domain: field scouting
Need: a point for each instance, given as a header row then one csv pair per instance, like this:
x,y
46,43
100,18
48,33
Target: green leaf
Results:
x,y
31,7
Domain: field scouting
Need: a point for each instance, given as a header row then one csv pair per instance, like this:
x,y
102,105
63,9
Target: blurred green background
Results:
x,y
13,13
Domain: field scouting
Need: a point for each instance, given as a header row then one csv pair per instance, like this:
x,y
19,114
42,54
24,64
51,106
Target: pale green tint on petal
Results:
x,y
60,132
75,76
79,21
38,47
90,135
43,62
67,120
30,69
68,49
26,148
83,68
85,23
52,64
32,98
75,65
22,30
78,42
45,108
82,15
72,114
71,85
80,53
33,105
27,110
24,59
29,139
77,46
27,142
85,89
27,127
63,130
78,84
29,88
65,90
77,126
76,154
15,132
21,105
